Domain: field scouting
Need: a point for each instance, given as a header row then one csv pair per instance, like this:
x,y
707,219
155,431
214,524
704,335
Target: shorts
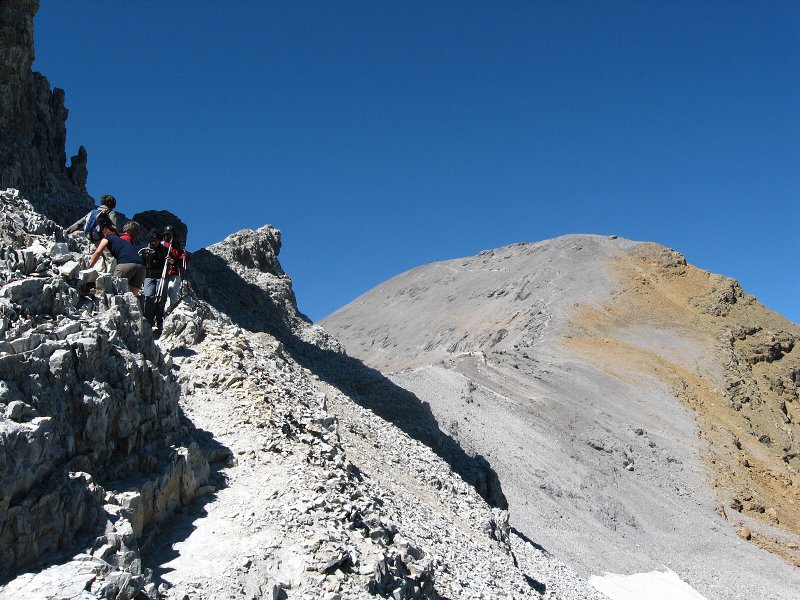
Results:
x,y
132,272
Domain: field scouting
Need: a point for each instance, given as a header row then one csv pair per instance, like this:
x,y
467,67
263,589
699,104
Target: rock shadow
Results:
x,y
156,546
528,540
371,389
253,308
120,475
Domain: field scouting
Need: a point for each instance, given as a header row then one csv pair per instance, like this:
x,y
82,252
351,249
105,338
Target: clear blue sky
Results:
x,y
383,135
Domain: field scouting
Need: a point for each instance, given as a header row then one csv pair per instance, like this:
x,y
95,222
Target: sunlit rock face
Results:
x,y
243,450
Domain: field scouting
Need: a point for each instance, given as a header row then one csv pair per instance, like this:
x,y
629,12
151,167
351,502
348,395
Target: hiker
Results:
x,y
153,256
107,205
176,262
92,223
130,265
130,231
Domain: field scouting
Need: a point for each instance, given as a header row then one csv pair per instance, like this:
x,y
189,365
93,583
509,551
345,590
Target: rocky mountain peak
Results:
x,y
624,397
248,249
488,302
242,277
33,130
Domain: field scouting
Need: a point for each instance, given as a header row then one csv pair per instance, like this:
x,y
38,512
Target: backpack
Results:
x,y
95,221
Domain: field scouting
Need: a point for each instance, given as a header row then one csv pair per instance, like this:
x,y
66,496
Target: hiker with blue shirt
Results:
x,y
107,205
91,224
130,265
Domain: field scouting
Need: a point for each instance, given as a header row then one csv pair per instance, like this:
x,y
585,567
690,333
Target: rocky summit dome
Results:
x,y
626,400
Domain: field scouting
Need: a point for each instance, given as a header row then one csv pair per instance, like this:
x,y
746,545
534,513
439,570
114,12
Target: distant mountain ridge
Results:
x,y
627,400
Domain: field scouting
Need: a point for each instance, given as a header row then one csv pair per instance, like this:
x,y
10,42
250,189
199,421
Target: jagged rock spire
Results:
x,y
33,129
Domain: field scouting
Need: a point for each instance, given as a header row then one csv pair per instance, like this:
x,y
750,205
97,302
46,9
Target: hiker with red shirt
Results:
x,y
130,231
176,263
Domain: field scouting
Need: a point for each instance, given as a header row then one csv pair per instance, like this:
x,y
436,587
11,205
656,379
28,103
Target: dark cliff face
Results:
x,y
33,129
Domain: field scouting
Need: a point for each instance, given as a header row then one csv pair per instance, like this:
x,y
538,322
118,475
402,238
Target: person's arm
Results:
x,y
96,256
76,225
171,255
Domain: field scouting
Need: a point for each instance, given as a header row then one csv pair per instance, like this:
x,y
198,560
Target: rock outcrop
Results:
x,y
93,447
238,454
351,502
233,276
157,220
33,125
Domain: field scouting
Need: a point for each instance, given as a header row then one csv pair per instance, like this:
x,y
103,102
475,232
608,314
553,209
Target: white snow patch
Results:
x,y
656,585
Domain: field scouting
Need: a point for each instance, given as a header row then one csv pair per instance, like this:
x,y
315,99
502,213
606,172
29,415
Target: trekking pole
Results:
x,y
183,291
184,266
162,281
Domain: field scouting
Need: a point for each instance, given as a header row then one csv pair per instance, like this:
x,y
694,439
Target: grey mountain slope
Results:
x,y
106,435
602,467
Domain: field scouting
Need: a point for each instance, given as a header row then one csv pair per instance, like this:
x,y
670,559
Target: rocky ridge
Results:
x,y
219,461
92,445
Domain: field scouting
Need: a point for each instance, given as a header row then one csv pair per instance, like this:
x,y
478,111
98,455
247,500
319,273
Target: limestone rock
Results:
x,y
242,277
110,451
106,436
91,414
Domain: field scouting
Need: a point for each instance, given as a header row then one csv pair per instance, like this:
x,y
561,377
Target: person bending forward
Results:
x,y
129,264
